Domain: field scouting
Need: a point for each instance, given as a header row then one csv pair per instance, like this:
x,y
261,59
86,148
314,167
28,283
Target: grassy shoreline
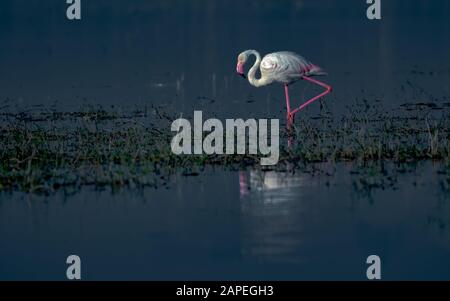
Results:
x,y
45,150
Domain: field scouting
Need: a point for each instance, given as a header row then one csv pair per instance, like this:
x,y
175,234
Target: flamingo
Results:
x,y
285,67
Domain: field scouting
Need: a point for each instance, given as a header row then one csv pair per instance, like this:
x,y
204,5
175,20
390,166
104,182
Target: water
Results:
x,y
234,225
227,224
184,53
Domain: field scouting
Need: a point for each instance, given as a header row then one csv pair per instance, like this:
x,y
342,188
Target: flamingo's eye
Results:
x,y
241,58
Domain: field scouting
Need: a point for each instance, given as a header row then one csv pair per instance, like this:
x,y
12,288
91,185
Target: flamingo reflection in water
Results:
x,y
270,204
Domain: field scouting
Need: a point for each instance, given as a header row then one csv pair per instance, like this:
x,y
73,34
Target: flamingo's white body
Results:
x,y
284,67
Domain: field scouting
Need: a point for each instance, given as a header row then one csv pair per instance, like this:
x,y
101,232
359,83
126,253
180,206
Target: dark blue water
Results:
x,y
226,225
183,54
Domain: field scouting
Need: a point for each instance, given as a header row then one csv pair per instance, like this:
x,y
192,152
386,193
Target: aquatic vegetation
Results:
x,y
370,132
42,150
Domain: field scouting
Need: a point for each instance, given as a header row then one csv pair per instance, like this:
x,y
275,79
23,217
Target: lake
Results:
x,y
235,225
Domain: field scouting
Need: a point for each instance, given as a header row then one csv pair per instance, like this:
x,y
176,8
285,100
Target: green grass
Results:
x,y
43,151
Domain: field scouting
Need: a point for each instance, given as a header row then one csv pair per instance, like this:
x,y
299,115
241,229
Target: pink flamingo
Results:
x,y
284,67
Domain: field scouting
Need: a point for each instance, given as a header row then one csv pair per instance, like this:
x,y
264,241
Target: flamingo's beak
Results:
x,y
240,69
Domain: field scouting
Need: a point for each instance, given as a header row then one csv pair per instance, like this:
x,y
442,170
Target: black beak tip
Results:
x,y
242,75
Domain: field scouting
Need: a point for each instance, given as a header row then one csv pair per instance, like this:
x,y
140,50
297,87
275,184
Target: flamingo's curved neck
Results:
x,y
252,72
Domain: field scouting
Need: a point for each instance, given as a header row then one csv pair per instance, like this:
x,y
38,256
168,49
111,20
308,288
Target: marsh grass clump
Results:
x,y
43,150
371,132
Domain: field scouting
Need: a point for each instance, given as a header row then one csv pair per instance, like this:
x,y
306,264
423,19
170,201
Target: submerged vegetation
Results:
x,y
44,150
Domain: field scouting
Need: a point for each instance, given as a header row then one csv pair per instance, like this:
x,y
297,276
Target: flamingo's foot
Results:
x,y
290,119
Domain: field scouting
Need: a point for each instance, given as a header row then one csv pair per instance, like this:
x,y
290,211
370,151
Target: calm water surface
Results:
x,y
234,225
183,53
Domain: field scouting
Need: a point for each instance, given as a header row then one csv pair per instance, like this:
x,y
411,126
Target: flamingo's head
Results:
x,y
242,58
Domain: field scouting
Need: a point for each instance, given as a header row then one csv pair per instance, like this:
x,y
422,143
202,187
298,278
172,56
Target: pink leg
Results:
x,y
289,116
243,185
328,90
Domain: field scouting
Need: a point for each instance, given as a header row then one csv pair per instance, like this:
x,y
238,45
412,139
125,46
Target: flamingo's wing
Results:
x,y
287,67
